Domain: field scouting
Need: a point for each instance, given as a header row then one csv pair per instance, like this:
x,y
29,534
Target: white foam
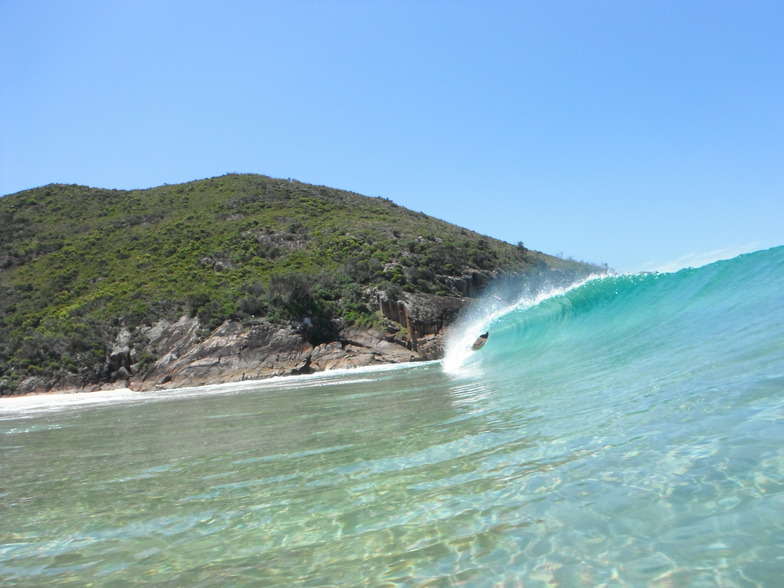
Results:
x,y
37,402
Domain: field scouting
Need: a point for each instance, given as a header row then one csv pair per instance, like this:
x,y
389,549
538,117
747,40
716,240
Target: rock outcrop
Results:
x,y
172,354
234,352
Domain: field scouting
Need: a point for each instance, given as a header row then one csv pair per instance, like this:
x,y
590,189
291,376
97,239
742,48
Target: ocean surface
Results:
x,y
627,431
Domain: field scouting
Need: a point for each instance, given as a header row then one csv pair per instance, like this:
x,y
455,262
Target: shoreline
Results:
x,y
21,403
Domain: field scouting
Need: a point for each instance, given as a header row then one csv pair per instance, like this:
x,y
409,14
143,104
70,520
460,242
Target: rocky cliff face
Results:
x,y
171,354
234,353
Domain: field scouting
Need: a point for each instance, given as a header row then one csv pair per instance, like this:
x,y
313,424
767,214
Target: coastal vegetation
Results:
x,y
77,264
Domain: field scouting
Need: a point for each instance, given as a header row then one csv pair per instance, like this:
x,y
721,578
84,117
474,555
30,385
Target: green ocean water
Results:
x,y
626,432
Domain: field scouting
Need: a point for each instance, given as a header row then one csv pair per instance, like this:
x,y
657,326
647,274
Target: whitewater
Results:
x,y
624,431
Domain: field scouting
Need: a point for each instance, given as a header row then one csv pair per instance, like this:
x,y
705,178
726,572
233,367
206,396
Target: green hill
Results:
x,y
77,264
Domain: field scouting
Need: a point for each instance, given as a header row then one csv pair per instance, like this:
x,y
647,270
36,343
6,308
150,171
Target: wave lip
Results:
x,y
696,260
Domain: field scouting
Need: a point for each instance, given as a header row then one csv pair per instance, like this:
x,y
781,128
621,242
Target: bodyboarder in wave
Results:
x,y
481,340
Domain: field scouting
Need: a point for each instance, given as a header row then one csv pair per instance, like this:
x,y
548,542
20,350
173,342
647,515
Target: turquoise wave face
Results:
x,y
632,328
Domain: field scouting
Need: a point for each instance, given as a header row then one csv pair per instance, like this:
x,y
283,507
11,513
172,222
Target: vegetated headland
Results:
x,y
235,277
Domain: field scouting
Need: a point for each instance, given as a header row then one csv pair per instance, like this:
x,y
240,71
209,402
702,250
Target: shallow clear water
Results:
x,y
629,432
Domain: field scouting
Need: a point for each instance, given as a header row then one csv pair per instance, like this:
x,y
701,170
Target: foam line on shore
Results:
x,y
16,406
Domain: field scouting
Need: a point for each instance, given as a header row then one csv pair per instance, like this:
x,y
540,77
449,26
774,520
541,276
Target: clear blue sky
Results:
x,y
627,132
